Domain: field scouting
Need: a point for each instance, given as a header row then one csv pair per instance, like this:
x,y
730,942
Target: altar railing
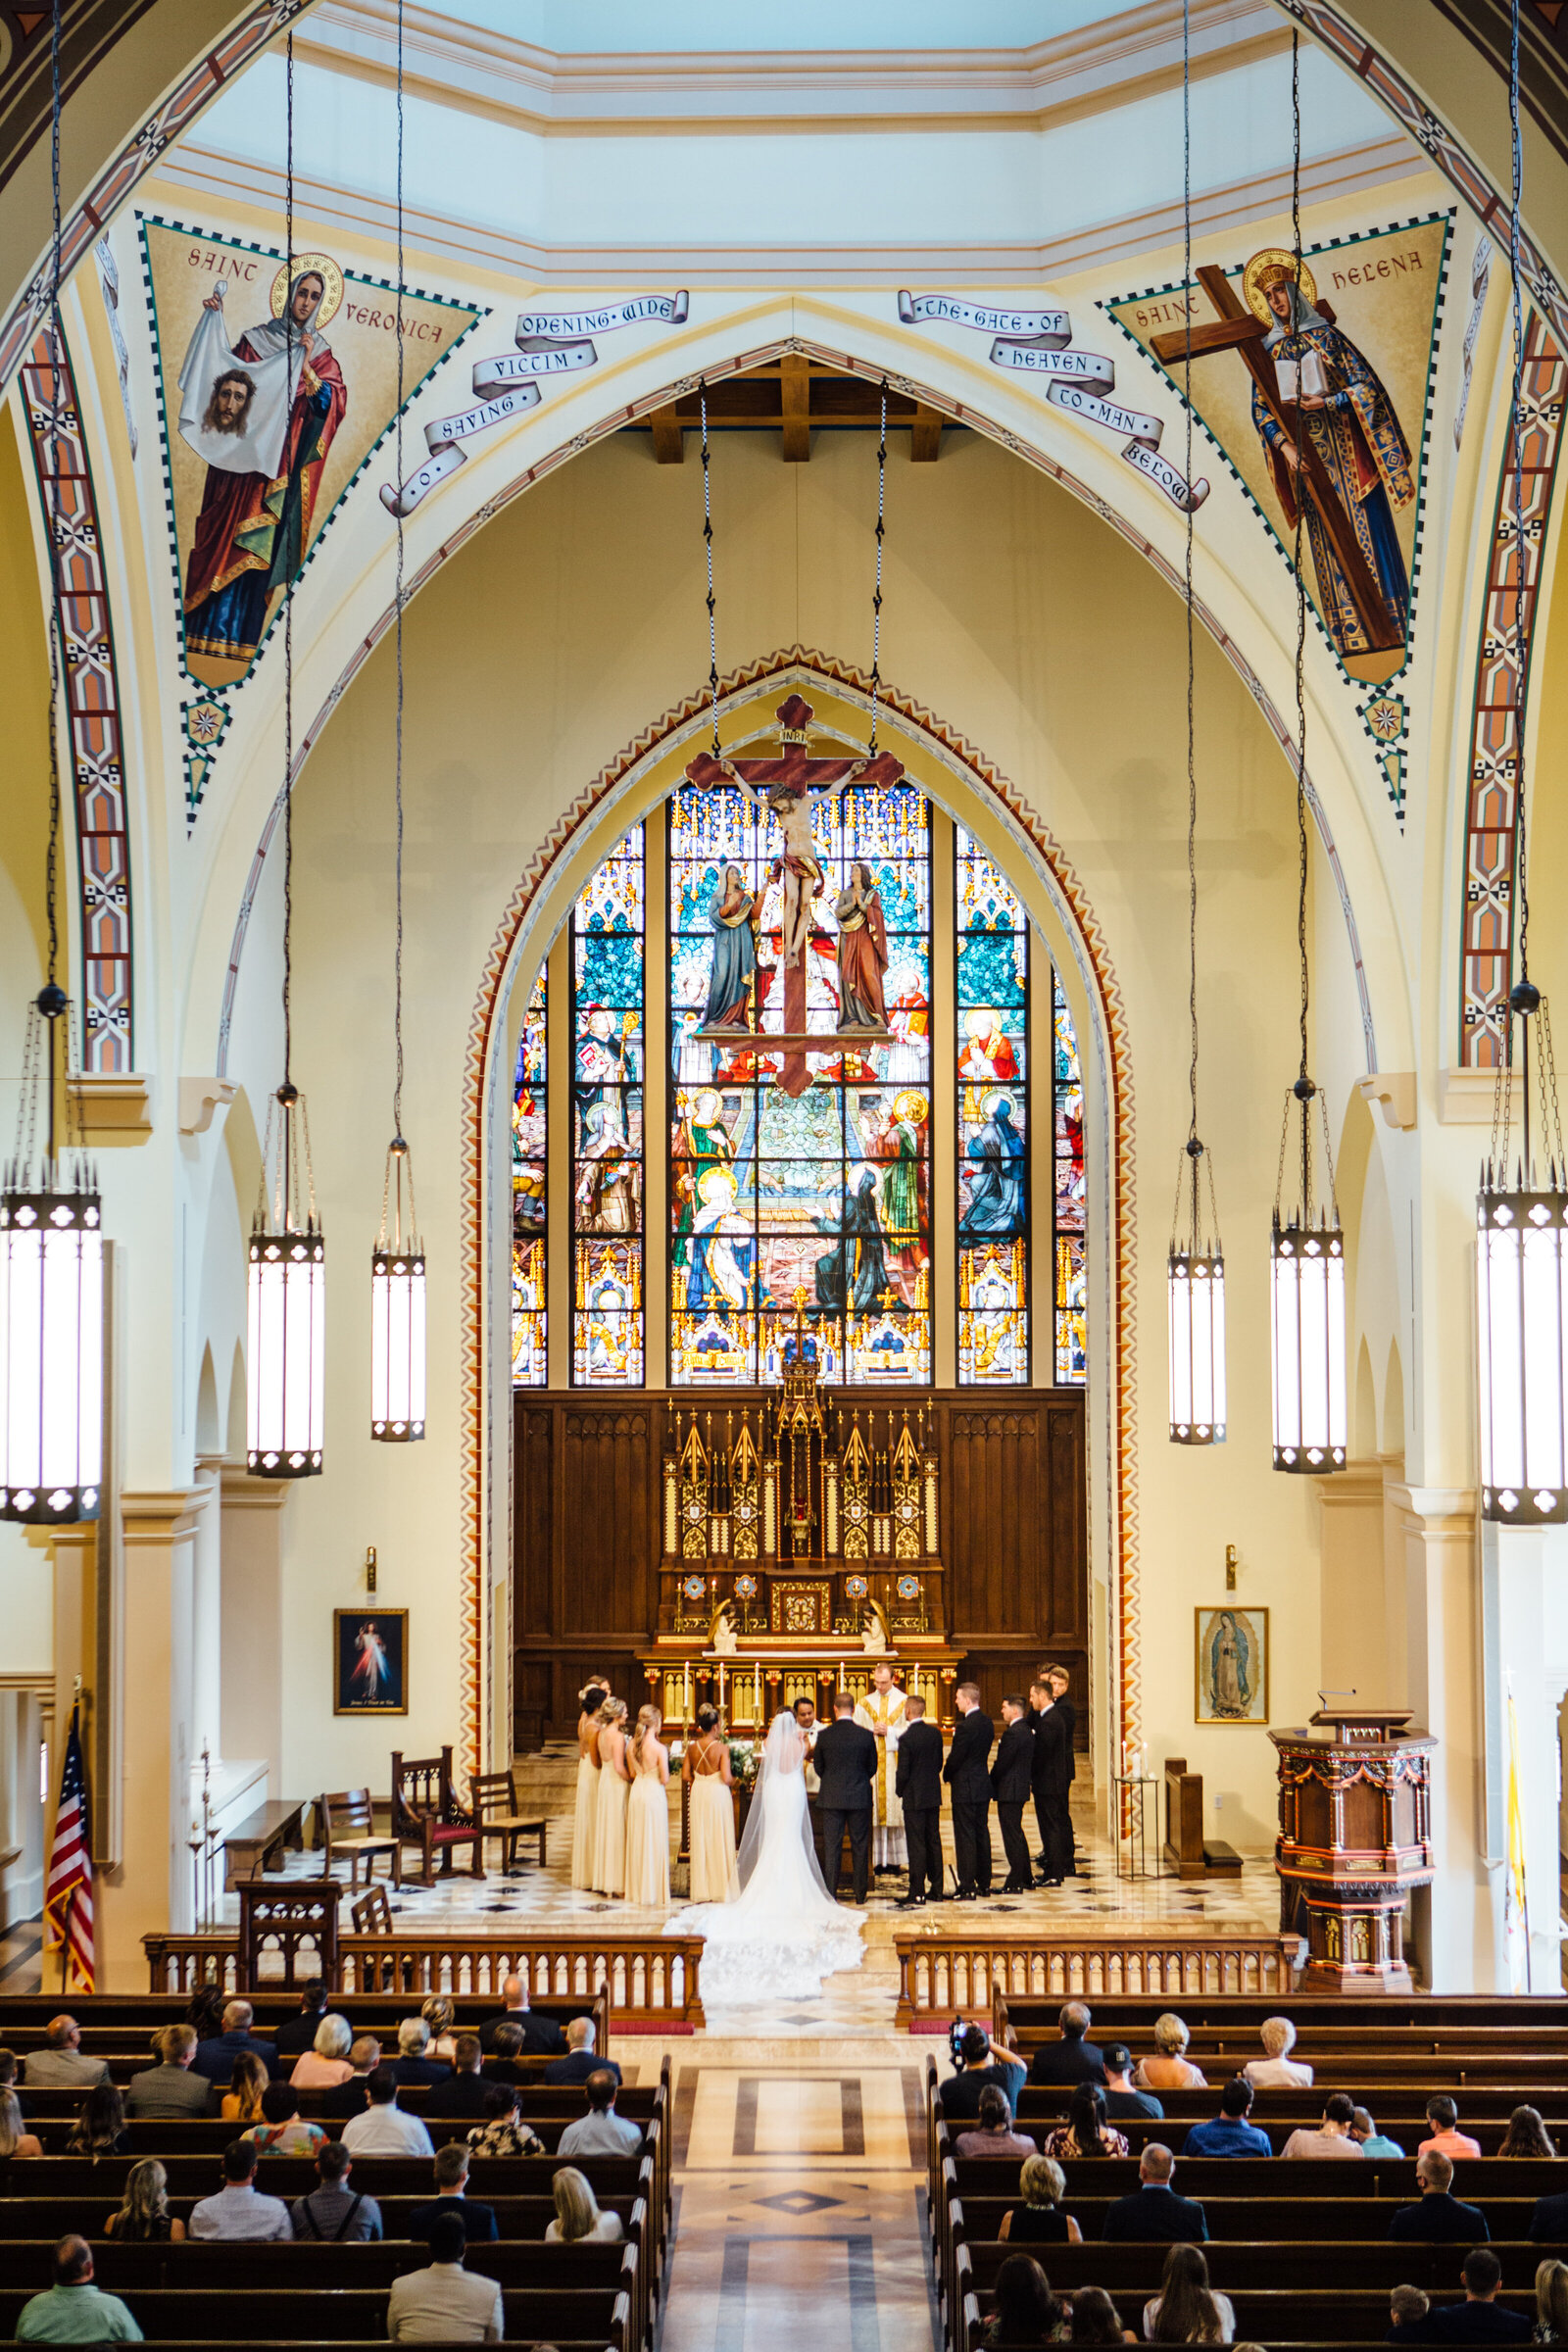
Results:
x,y
944,1974
649,1980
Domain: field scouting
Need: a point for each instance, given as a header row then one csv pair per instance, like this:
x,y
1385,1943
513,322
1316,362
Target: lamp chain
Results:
x,y
1517,421
1295,300
288,589
707,541
57,403
397,1089
1192,765
881,532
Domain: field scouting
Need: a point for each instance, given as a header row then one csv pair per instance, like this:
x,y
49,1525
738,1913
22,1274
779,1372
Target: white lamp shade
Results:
x,y
51,1356
397,1345
1522,1331
285,1366
1306,1296
1196,1288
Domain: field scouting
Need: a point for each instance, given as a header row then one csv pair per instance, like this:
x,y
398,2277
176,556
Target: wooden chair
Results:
x,y
373,1913
495,1808
348,1827
425,1813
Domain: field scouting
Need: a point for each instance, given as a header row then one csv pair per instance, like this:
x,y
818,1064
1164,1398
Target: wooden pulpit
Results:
x,y
1355,1835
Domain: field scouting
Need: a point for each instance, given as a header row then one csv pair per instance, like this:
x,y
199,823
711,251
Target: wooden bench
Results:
x,y
279,1823
351,2315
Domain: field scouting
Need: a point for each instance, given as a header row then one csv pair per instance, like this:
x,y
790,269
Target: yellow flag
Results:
x,y
1515,1901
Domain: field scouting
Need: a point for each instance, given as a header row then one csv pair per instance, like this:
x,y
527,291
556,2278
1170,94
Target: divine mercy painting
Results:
x,y
371,1662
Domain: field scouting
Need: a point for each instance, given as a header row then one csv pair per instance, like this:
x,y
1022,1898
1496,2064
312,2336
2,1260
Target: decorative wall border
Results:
x,y
1503,663
94,738
803,664
1111,302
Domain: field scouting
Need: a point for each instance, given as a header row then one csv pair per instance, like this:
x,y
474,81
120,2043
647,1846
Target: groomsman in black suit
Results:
x,y
1050,1782
1060,1682
846,1757
967,1774
918,1787
1011,1777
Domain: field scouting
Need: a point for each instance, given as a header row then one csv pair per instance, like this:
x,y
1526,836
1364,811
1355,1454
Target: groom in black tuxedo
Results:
x,y
846,1757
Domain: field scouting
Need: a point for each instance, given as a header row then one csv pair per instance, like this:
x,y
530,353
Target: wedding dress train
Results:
x,y
783,1932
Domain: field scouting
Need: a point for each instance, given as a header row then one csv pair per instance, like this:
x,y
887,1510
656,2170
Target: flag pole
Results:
x,y
64,1941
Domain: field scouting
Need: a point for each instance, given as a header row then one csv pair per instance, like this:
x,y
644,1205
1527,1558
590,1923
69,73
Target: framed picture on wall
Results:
x,y
371,1662
1230,1665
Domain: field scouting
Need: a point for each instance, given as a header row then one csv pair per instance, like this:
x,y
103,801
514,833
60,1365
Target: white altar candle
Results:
x,y
686,1701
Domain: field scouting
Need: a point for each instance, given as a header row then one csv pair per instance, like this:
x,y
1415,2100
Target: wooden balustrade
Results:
x,y
943,1973
649,1980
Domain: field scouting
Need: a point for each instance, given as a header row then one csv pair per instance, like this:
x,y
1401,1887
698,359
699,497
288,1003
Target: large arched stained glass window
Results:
x,y
992,1121
1068,1194
608,1039
821,1196
529,1364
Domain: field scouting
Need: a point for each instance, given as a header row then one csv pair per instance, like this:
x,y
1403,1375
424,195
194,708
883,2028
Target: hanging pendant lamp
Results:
x,y
1194,1278
397,1261
286,1291
51,1236
1522,1228
1307,1253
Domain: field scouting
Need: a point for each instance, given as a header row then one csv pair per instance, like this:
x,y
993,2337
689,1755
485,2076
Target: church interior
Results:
x,y
698,708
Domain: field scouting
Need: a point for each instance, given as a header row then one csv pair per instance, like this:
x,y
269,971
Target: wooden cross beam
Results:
x,y
1236,329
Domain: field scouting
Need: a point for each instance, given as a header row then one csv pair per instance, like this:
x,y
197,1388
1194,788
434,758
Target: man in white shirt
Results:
x,y
600,2131
444,2305
383,2130
237,2211
1277,2069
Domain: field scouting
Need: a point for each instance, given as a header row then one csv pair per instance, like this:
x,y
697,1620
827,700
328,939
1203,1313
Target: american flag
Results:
x,y
68,1904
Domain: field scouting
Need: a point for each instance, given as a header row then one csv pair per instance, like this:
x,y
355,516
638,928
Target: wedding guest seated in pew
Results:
x,y
1121,2096
282,2129
1480,2319
1229,2133
238,2210
413,2063
1439,2220
1277,2069
204,2012
578,2220
173,2087
1095,2321
1170,2069
100,2129
73,2311
384,2130
1407,2316
501,2064
440,2014
215,2058
1074,2058
996,2136
1446,2137
297,2035
1551,2303
241,2102
352,2095
15,2140
579,2062
1187,2310
326,2063
1155,2214
504,2131
452,2196
60,2065
1331,2137
1040,2220
1025,2311
984,2067
1374,2142
142,2217
1527,2136
541,2036
1549,2224
465,2090
1086,2132
444,2305
600,2131
334,2212
8,2068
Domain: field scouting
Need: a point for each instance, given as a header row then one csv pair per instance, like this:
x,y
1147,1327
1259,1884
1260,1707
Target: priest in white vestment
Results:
x,y
881,1711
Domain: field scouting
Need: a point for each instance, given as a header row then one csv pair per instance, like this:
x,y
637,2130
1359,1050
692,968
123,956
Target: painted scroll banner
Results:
x,y
549,343
1038,343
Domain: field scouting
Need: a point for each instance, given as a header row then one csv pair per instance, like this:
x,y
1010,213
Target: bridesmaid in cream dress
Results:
x,y
585,1818
610,1821
648,1816
711,1818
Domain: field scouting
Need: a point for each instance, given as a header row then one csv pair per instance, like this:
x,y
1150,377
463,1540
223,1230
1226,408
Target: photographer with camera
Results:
x,y
982,2067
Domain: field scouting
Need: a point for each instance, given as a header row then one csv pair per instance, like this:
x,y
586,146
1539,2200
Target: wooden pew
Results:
x,y
352,2315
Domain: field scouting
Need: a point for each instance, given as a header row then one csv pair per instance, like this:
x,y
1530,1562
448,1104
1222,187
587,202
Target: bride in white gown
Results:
x,y
781,1933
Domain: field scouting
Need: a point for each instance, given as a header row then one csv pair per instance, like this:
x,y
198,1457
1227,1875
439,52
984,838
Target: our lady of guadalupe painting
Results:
x,y
1232,1666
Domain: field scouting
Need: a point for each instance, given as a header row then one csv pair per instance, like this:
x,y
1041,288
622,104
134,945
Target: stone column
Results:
x,y
1523,1656
1353,1653
151,1888
1450,1924
207,1627
252,1625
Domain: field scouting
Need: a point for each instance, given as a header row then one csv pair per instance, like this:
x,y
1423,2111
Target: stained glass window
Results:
x,y
1067,1201
992,1121
821,1196
530,1368
608,1043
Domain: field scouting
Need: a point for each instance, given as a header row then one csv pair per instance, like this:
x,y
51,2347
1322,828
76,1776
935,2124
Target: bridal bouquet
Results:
x,y
744,1762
